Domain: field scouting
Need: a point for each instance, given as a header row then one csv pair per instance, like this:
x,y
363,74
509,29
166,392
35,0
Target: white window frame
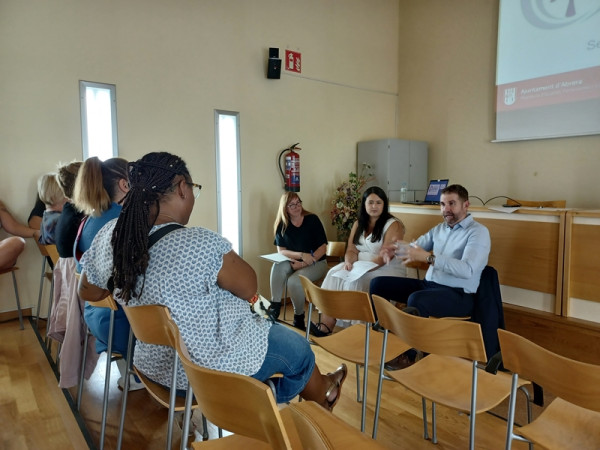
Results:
x,y
229,181
105,122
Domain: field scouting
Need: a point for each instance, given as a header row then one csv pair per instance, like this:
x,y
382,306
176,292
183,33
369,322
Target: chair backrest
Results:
x,y
106,302
537,204
150,324
49,251
336,249
345,305
574,381
237,403
437,336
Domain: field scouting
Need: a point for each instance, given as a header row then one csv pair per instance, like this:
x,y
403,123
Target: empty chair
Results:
x,y
247,407
572,420
356,343
450,374
149,324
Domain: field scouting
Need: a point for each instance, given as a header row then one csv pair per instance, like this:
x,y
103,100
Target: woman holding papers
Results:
x,y
300,238
375,227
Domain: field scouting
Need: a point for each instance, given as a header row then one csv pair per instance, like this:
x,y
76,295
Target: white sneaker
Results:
x,y
134,385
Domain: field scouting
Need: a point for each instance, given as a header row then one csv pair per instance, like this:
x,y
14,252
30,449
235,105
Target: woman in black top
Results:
x,y
299,236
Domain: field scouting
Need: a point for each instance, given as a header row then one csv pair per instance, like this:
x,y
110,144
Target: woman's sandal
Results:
x,y
316,331
336,384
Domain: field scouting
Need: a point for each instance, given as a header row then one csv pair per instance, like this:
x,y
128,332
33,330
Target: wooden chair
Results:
x,y
572,420
12,271
336,250
537,204
150,324
449,375
356,343
247,407
110,303
50,252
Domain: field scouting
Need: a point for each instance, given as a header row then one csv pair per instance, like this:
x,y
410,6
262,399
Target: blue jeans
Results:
x,y
288,354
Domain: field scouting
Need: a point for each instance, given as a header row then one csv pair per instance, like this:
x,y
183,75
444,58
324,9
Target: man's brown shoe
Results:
x,y
399,362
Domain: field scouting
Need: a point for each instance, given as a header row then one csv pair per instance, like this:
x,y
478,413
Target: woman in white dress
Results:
x,y
375,227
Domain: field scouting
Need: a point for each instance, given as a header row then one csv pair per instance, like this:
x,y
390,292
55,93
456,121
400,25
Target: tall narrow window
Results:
x,y
98,119
229,194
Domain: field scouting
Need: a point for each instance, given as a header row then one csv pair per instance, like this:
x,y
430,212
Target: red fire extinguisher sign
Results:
x,y
293,61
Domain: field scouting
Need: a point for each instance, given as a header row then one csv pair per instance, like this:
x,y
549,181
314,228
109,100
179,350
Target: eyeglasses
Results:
x,y
295,205
196,188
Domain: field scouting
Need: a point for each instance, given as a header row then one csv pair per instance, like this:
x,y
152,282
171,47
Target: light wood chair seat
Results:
x,y
572,420
537,204
356,343
450,374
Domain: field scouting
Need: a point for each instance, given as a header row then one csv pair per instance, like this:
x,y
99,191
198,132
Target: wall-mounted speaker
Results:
x,y
274,64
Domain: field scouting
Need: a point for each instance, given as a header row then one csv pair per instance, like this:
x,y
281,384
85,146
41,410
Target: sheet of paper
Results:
x,y
359,268
275,257
504,209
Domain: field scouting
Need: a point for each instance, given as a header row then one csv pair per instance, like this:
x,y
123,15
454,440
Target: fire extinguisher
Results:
x,y
291,176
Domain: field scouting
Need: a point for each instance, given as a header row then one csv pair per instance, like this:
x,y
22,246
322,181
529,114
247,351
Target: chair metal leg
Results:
x,y
18,300
111,329
125,390
187,416
425,430
172,396
379,384
50,301
82,372
42,276
473,412
365,379
284,300
433,424
358,397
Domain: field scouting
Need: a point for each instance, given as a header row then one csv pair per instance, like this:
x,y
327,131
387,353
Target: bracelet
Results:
x,y
254,299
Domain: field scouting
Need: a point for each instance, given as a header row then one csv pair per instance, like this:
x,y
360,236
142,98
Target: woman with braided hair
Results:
x,y
204,283
100,187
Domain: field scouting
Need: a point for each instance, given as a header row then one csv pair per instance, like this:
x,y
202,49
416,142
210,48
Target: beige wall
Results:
x,y
174,62
446,97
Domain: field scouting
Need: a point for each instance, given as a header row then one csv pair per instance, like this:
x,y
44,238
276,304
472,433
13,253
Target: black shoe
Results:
x,y
299,322
399,362
378,327
275,310
316,331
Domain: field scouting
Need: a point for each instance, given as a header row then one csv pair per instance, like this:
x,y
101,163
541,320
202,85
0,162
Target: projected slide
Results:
x,y
548,69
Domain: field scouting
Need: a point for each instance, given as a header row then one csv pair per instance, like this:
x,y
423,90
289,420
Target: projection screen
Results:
x,y
548,69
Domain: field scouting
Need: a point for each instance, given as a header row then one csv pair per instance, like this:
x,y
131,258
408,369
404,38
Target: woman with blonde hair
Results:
x,y
299,236
100,188
53,197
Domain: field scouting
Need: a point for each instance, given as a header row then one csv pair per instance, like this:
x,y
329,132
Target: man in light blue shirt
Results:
x,y
456,250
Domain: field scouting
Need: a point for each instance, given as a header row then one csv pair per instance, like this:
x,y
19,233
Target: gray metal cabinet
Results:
x,y
395,163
